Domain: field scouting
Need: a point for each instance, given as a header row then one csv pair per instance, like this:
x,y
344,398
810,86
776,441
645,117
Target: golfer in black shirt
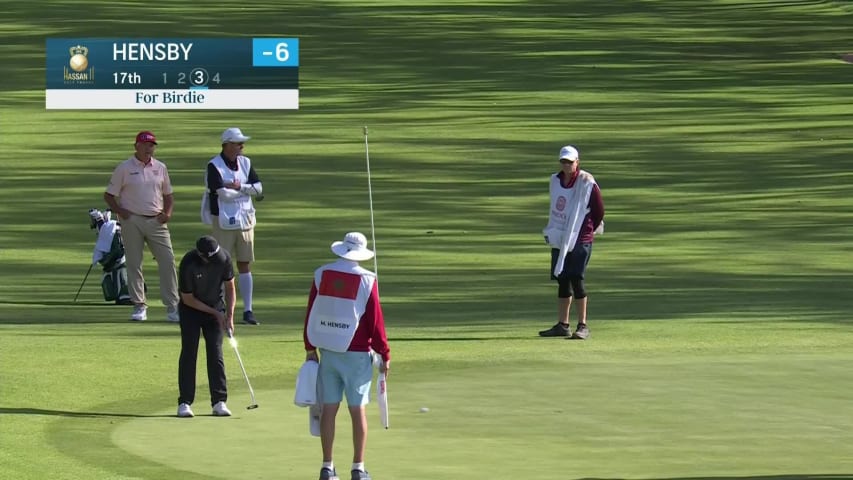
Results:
x,y
201,276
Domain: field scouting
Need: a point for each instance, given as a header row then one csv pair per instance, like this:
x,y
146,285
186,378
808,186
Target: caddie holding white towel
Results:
x,y
576,215
344,323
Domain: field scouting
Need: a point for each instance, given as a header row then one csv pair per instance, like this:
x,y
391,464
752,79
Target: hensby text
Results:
x,y
132,52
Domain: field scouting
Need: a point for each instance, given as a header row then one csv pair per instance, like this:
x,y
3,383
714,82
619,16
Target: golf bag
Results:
x,y
109,252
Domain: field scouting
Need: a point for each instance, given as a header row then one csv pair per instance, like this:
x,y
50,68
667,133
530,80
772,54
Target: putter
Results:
x,y
381,393
84,282
233,342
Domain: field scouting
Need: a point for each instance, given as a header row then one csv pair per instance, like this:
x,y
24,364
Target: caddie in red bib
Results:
x,y
345,323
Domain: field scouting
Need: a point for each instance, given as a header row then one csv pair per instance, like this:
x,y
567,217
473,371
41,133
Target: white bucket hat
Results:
x,y
353,247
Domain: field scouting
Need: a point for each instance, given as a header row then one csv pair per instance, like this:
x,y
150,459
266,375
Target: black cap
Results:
x,y
208,248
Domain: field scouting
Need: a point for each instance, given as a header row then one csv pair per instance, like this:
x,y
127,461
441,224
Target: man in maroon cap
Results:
x,y
140,193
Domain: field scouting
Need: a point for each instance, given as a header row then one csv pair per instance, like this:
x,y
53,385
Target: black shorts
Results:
x,y
575,263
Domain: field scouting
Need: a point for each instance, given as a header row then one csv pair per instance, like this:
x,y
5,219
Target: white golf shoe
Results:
x,y
184,411
172,314
220,410
140,313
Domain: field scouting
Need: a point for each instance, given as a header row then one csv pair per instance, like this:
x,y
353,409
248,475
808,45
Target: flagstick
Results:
x,y
381,383
370,196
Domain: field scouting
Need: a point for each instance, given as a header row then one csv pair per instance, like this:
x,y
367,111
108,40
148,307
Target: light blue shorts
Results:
x,y
347,373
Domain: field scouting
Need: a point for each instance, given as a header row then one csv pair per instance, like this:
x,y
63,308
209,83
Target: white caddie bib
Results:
x,y
237,213
343,289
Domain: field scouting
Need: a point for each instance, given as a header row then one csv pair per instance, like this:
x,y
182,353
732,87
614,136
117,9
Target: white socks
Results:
x,y
355,466
246,290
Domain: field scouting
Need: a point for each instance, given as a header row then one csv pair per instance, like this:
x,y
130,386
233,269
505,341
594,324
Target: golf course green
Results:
x,y
719,131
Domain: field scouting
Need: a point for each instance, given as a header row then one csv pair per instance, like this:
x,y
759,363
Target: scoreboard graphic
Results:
x,y
172,74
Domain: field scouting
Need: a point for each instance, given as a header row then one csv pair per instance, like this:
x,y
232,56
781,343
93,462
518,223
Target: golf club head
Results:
x,y
96,219
252,406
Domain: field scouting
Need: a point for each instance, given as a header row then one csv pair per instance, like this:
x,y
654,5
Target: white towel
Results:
x,y
306,384
104,243
206,217
314,420
578,204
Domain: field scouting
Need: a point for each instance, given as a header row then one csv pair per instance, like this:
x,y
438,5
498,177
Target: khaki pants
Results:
x,y
240,244
136,232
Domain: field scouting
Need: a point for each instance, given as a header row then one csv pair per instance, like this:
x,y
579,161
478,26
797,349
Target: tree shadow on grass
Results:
x,y
807,476
65,413
465,47
656,77
459,339
60,303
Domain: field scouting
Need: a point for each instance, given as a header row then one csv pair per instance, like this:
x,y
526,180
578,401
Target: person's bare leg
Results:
x,y
581,307
359,432
327,429
564,309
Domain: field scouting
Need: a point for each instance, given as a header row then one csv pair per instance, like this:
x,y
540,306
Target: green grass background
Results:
x,y
719,131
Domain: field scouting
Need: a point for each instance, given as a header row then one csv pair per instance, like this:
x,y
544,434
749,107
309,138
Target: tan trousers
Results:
x,y
136,231
240,244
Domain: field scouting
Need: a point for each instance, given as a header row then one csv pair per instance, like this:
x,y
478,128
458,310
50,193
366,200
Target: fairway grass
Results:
x,y
719,132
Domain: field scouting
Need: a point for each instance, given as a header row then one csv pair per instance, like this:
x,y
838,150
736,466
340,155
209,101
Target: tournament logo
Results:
x,y
79,73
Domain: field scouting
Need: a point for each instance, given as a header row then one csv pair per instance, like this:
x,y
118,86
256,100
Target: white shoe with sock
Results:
x,y
172,314
220,410
184,411
140,313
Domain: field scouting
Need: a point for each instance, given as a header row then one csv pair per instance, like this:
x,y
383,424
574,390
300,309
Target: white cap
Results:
x,y
233,135
569,153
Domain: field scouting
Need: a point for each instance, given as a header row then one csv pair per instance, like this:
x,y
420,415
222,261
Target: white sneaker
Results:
x,y
172,315
140,313
220,410
184,411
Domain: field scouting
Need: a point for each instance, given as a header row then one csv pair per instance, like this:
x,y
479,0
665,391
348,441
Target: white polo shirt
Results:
x,y
140,187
